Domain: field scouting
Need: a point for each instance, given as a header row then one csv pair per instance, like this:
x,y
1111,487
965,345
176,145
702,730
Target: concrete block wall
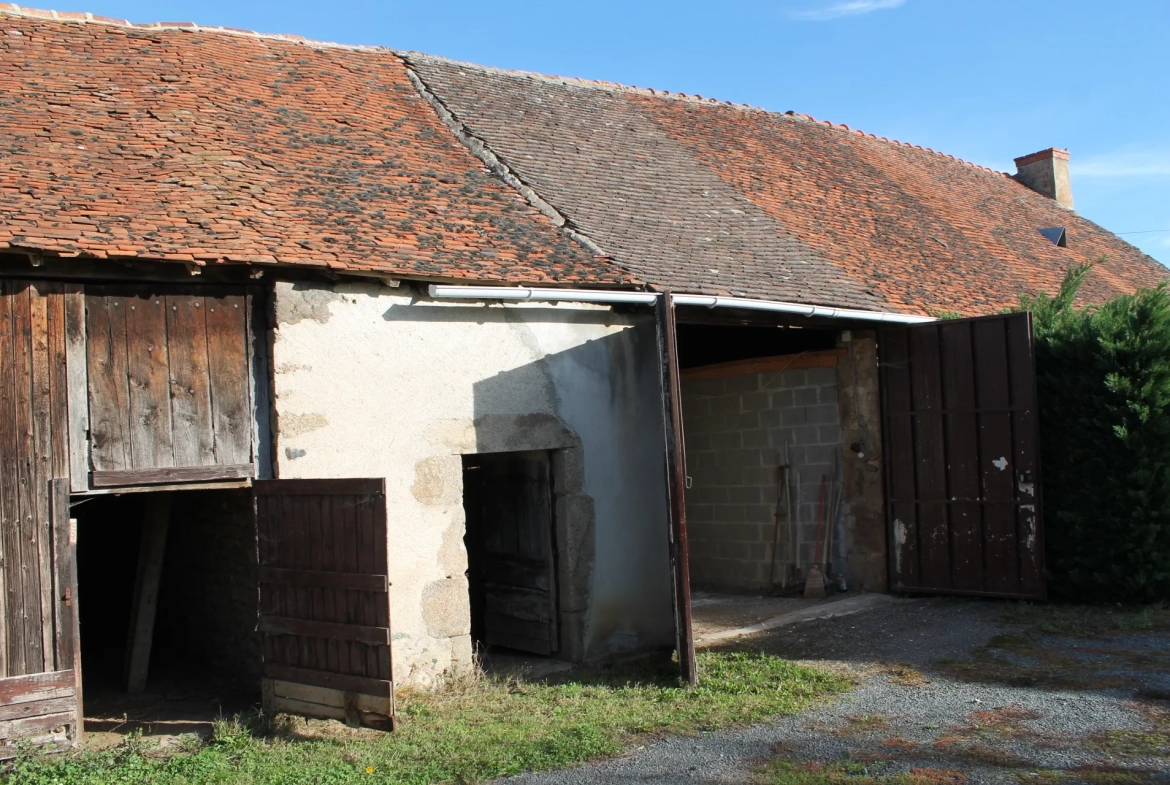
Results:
x,y
735,429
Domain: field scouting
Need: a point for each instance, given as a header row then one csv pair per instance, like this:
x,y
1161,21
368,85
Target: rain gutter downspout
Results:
x,y
612,297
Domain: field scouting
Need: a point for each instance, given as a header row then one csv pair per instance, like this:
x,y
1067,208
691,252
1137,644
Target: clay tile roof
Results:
x,y
205,145
712,197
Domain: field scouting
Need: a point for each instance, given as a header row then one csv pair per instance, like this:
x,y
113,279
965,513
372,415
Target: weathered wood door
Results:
x,y
170,384
511,570
39,689
44,704
324,599
962,457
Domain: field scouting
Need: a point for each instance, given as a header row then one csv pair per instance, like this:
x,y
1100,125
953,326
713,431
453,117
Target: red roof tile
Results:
x,y
708,196
188,145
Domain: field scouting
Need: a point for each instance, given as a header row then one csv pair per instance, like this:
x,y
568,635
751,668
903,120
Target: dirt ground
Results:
x,y
948,691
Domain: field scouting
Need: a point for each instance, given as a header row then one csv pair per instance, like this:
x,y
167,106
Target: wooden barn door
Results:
x,y
511,561
39,684
170,384
962,457
324,599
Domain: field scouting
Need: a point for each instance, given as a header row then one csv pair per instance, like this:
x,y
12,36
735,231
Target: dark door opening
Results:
x,y
203,657
511,556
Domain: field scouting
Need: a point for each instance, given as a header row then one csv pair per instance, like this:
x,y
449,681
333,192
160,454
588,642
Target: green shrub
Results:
x,y
1104,395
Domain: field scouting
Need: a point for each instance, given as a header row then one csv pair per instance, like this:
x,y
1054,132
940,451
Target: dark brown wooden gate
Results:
x,y
962,457
324,599
39,687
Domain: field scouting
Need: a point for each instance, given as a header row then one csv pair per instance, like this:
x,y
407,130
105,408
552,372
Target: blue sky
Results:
x,y
985,80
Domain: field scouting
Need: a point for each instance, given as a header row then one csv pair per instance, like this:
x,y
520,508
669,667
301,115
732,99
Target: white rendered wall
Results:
x,y
372,381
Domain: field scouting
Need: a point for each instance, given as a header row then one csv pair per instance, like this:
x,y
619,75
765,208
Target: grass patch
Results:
x,y
904,675
1154,742
787,773
472,730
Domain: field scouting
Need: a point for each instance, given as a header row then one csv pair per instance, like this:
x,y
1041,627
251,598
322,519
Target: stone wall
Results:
x,y
863,540
373,381
735,428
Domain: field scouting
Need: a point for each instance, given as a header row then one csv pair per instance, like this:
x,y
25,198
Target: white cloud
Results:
x,y
842,8
1125,162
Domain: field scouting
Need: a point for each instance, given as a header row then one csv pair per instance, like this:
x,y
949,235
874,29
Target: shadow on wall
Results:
x,y
596,406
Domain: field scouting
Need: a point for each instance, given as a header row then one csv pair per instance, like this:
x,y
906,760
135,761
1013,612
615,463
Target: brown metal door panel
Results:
x,y
324,599
962,434
962,457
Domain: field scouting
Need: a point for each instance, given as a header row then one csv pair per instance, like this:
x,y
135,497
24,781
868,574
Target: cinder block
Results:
x,y
726,477
735,550
761,476
821,376
699,514
782,399
754,402
729,513
820,454
744,421
805,435
706,387
791,379
725,404
829,434
744,495
726,440
758,513
742,384
794,416
756,438
696,441
822,414
696,405
770,418
805,396
827,394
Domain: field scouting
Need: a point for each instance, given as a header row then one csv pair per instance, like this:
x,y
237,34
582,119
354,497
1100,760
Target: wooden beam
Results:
x,y
676,485
120,477
67,639
827,358
155,523
77,387
325,580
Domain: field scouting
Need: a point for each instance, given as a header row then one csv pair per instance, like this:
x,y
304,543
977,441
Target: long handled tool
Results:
x,y
814,584
782,511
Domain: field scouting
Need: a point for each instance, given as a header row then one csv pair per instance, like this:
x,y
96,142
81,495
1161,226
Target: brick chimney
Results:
x,y
1046,172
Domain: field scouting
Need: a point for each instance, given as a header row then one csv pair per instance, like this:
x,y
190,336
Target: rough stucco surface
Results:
x,y
400,387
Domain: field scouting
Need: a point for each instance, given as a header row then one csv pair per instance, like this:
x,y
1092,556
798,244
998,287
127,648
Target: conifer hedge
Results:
x,y
1104,396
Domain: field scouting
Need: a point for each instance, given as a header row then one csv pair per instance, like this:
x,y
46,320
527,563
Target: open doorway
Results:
x,y
511,553
192,555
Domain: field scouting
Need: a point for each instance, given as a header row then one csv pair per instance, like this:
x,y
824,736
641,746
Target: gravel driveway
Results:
x,y
949,691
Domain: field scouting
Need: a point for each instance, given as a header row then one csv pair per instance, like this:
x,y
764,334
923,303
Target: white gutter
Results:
x,y
525,294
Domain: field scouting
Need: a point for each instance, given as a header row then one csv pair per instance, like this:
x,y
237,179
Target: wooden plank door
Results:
x,y
676,485
962,457
511,558
170,384
324,599
45,707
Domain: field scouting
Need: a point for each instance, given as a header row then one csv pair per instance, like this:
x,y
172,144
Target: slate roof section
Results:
x,y
705,196
213,146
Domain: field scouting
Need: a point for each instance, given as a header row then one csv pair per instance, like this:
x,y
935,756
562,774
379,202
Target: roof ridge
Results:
x,y
12,9
618,87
